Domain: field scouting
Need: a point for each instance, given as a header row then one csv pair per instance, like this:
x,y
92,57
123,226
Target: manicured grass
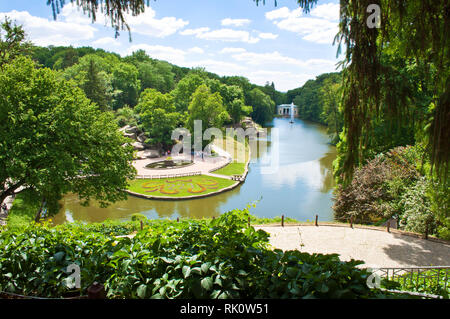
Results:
x,y
23,210
231,169
179,186
234,168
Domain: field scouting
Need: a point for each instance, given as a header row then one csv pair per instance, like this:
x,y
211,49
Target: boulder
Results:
x,y
123,129
138,146
130,135
141,138
149,154
132,129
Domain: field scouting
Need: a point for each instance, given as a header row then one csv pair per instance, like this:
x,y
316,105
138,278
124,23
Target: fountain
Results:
x,y
292,113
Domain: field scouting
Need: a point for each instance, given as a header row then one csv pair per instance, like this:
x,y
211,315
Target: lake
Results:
x,y
299,187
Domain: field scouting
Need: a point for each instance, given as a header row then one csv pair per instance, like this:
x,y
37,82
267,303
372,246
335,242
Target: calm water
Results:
x,y
300,188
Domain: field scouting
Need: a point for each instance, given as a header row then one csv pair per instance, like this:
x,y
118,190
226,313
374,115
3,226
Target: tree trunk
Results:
x,y
8,192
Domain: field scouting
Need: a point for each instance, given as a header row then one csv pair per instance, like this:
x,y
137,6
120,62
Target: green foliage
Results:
x,y
138,217
208,108
125,81
23,210
126,116
312,97
395,185
184,90
263,106
418,216
12,41
377,187
158,117
54,136
420,283
222,258
331,114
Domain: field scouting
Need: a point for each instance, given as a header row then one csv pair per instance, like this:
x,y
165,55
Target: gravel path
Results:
x,y
375,248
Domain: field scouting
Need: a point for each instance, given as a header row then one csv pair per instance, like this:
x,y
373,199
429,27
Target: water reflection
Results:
x,y
300,187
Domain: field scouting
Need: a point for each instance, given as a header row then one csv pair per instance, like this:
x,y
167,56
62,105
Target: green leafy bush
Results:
x,y
421,283
221,258
377,186
418,216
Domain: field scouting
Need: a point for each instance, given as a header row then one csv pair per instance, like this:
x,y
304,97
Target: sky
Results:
x,y
279,44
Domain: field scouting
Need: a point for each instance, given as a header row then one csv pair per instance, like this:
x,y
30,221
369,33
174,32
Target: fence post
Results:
x,y
96,291
142,225
178,219
426,231
388,226
282,220
317,217
351,221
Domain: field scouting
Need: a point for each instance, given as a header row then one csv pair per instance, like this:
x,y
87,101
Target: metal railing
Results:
x,y
168,175
431,276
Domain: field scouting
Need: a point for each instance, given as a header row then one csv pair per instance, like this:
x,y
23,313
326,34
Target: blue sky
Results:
x,y
233,37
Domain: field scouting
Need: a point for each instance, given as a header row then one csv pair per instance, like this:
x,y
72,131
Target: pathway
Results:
x,y
204,165
375,248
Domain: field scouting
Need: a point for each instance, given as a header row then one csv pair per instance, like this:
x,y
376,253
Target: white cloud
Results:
x,y
232,50
225,35
329,11
283,13
194,31
235,22
267,59
219,67
196,50
46,32
147,24
320,27
276,59
106,42
268,35
160,52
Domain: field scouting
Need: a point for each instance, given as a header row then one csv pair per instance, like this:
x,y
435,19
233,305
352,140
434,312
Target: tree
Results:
x,y
184,90
65,58
263,106
158,117
208,108
157,75
54,141
126,116
125,81
91,75
12,42
96,86
331,115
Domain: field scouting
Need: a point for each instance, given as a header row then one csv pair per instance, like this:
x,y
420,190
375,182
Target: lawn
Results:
x,y
235,167
24,209
179,186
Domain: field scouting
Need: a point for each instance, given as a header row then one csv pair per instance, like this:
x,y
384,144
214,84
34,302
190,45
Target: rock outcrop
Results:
x,y
137,140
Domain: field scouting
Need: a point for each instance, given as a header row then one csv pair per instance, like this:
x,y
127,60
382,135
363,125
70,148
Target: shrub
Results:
x,y
138,217
221,258
417,216
376,188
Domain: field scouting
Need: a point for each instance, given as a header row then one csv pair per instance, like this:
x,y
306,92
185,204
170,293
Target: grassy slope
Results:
x,y
23,210
186,183
233,168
